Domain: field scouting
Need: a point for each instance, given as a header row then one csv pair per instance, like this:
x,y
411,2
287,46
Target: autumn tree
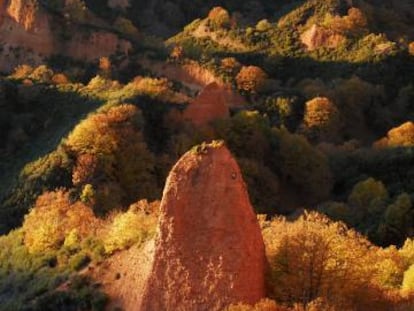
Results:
x,y
42,74
60,78
402,136
177,53
354,23
408,282
321,120
358,102
105,67
314,259
112,156
411,48
22,72
230,65
219,18
136,225
251,79
52,218
263,25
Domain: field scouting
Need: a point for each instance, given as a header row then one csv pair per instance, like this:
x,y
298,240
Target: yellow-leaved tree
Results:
x,y
315,261
53,218
112,157
321,121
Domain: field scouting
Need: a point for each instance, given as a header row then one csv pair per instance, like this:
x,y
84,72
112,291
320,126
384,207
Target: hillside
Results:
x,y
310,105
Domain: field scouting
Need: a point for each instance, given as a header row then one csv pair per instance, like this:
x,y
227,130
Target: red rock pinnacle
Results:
x,y
209,252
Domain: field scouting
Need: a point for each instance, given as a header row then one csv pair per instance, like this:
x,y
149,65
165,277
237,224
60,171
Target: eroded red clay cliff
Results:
x,y
29,34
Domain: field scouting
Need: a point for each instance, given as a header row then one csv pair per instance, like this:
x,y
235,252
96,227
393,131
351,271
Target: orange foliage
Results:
x,y
112,156
411,48
105,66
177,53
86,165
100,133
53,217
402,136
219,17
22,71
251,79
321,119
353,23
60,78
131,227
230,64
324,265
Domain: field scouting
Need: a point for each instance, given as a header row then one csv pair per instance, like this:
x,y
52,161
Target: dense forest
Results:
x,y
315,100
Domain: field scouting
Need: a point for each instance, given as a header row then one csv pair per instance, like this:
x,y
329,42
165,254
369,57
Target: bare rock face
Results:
x,y
23,12
95,45
316,37
209,105
209,252
29,33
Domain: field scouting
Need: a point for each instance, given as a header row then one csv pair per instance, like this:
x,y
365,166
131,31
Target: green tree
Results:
x,y
397,220
304,166
370,196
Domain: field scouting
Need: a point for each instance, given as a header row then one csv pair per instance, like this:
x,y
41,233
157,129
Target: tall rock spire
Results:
x,y
209,252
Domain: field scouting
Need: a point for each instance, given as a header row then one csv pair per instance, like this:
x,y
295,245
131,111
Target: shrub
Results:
x,y
42,74
22,72
230,65
53,218
126,229
219,18
369,195
79,261
263,25
59,78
